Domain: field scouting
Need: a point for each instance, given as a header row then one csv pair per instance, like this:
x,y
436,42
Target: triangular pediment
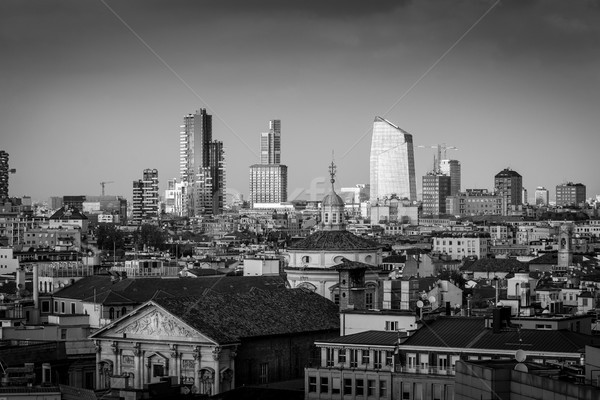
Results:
x,y
152,323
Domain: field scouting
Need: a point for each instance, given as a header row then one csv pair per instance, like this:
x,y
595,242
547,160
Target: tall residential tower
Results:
x,y
392,162
201,165
145,198
268,180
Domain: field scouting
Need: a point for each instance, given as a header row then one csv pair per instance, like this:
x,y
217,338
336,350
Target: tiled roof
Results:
x,y
138,291
495,265
68,213
334,240
373,338
228,318
394,259
463,332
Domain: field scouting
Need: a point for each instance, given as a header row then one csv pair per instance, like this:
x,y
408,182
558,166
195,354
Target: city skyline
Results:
x,y
95,91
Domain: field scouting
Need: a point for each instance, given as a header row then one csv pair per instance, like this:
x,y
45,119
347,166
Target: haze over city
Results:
x,y
96,90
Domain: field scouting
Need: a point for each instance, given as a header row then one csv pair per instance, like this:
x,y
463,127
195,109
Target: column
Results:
x,y
174,364
197,367
98,348
138,366
217,378
115,349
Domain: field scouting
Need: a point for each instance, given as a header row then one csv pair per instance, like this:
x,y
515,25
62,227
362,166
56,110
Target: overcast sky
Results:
x,y
95,90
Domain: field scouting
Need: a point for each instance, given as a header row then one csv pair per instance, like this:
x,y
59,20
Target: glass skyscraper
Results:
x,y
392,162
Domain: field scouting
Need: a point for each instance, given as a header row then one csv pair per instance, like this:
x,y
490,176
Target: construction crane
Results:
x,y
103,184
438,162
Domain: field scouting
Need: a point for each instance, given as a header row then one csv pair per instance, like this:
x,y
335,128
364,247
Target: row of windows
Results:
x,y
352,357
351,386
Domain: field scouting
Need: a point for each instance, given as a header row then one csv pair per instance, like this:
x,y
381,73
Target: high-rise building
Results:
x,y
268,180
270,143
541,196
524,196
568,194
4,170
436,187
201,165
392,162
145,197
509,185
451,168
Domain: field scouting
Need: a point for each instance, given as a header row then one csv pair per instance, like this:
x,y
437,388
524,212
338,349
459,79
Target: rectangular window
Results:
x,y
437,391
359,387
62,307
342,356
72,308
391,325
324,384
371,388
158,370
418,394
329,357
63,334
45,306
347,386
382,388
411,360
312,384
366,359
389,358
369,300
264,373
424,360
377,359
353,358
335,385
442,362
406,391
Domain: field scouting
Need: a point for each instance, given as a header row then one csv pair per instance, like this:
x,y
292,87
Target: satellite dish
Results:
x,y
520,356
521,367
420,304
432,299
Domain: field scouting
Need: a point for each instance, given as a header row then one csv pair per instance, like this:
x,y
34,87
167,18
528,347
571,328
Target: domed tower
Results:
x,y
332,207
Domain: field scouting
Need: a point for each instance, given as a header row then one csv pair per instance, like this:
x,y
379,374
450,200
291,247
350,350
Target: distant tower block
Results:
x,y
565,252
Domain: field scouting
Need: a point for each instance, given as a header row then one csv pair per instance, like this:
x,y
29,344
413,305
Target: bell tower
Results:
x,y
565,252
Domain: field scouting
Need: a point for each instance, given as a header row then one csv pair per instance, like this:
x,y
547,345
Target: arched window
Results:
x,y
111,313
123,311
306,259
368,259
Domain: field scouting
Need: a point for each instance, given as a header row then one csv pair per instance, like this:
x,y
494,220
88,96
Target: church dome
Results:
x,y
332,199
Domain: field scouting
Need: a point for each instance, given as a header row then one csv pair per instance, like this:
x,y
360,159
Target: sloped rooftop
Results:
x,y
334,240
138,291
230,317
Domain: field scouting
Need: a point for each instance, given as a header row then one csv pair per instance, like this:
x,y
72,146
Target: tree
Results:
x,y
109,237
149,236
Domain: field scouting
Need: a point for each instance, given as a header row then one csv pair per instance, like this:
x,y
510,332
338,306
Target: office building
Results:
x,y
392,164
201,166
474,202
436,187
541,196
509,185
451,168
270,143
4,171
145,198
268,180
569,194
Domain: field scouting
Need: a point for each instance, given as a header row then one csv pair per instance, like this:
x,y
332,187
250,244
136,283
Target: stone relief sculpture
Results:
x,y
156,323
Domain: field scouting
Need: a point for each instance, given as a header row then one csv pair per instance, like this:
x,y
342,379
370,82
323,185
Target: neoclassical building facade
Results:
x,y
311,262
151,343
213,342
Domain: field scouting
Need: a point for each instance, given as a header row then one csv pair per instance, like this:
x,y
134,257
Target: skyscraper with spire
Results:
x,y
201,166
268,180
392,166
